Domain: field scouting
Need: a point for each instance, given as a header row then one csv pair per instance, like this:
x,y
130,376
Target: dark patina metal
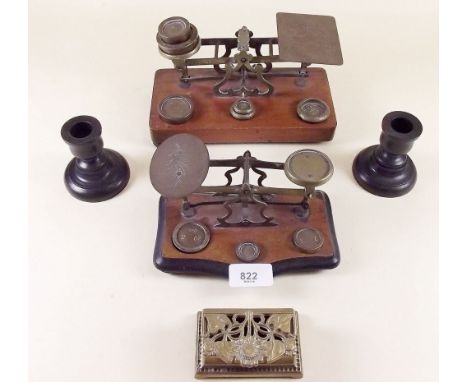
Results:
x,y
177,38
190,237
313,110
305,39
247,252
174,30
242,109
308,38
176,109
308,168
308,240
180,165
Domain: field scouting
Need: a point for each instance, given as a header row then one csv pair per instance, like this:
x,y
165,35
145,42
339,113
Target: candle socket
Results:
x,y
386,169
95,173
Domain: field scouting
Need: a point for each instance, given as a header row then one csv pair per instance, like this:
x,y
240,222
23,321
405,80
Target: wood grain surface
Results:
x,y
276,243
275,120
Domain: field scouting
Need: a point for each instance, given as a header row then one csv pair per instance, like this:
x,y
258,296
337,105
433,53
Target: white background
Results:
x,y
100,311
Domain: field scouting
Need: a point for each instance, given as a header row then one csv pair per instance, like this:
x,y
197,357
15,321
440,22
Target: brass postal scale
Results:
x,y
239,94
204,229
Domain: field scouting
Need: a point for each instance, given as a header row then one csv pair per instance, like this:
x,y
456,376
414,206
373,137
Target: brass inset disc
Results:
x,y
247,252
179,166
242,109
308,240
308,167
176,109
190,237
313,110
174,29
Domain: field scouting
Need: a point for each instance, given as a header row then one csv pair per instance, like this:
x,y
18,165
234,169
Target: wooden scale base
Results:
x,y
275,242
275,120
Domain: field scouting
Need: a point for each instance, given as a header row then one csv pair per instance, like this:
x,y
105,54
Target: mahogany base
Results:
x,y
275,242
275,120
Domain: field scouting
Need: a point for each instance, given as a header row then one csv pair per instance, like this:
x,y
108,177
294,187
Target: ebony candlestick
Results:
x,y
96,173
386,169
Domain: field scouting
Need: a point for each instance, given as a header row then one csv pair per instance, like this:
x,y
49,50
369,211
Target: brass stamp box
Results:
x,y
248,343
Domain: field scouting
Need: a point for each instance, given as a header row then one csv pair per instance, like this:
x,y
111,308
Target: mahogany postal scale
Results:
x,y
239,94
204,229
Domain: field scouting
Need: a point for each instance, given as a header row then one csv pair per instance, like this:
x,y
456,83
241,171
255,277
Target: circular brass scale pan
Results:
x,y
190,237
308,240
247,252
176,109
179,166
313,110
308,167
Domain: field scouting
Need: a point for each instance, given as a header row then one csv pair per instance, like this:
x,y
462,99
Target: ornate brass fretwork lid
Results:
x,y
248,343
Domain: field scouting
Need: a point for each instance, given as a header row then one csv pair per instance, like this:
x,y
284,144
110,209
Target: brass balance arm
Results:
x,y
257,190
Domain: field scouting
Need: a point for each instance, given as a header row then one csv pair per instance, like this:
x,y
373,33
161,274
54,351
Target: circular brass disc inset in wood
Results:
x,y
174,29
176,109
179,166
308,167
190,237
247,252
309,240
242,109
313,110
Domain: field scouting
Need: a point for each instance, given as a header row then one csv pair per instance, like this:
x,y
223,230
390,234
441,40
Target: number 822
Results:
x,y
248,276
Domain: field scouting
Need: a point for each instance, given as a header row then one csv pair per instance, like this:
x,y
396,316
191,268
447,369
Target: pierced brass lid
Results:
x,y
308,168
179,165
248,343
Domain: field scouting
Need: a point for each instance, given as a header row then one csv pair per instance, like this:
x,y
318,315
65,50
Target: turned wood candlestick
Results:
x,y
386,169
96,173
